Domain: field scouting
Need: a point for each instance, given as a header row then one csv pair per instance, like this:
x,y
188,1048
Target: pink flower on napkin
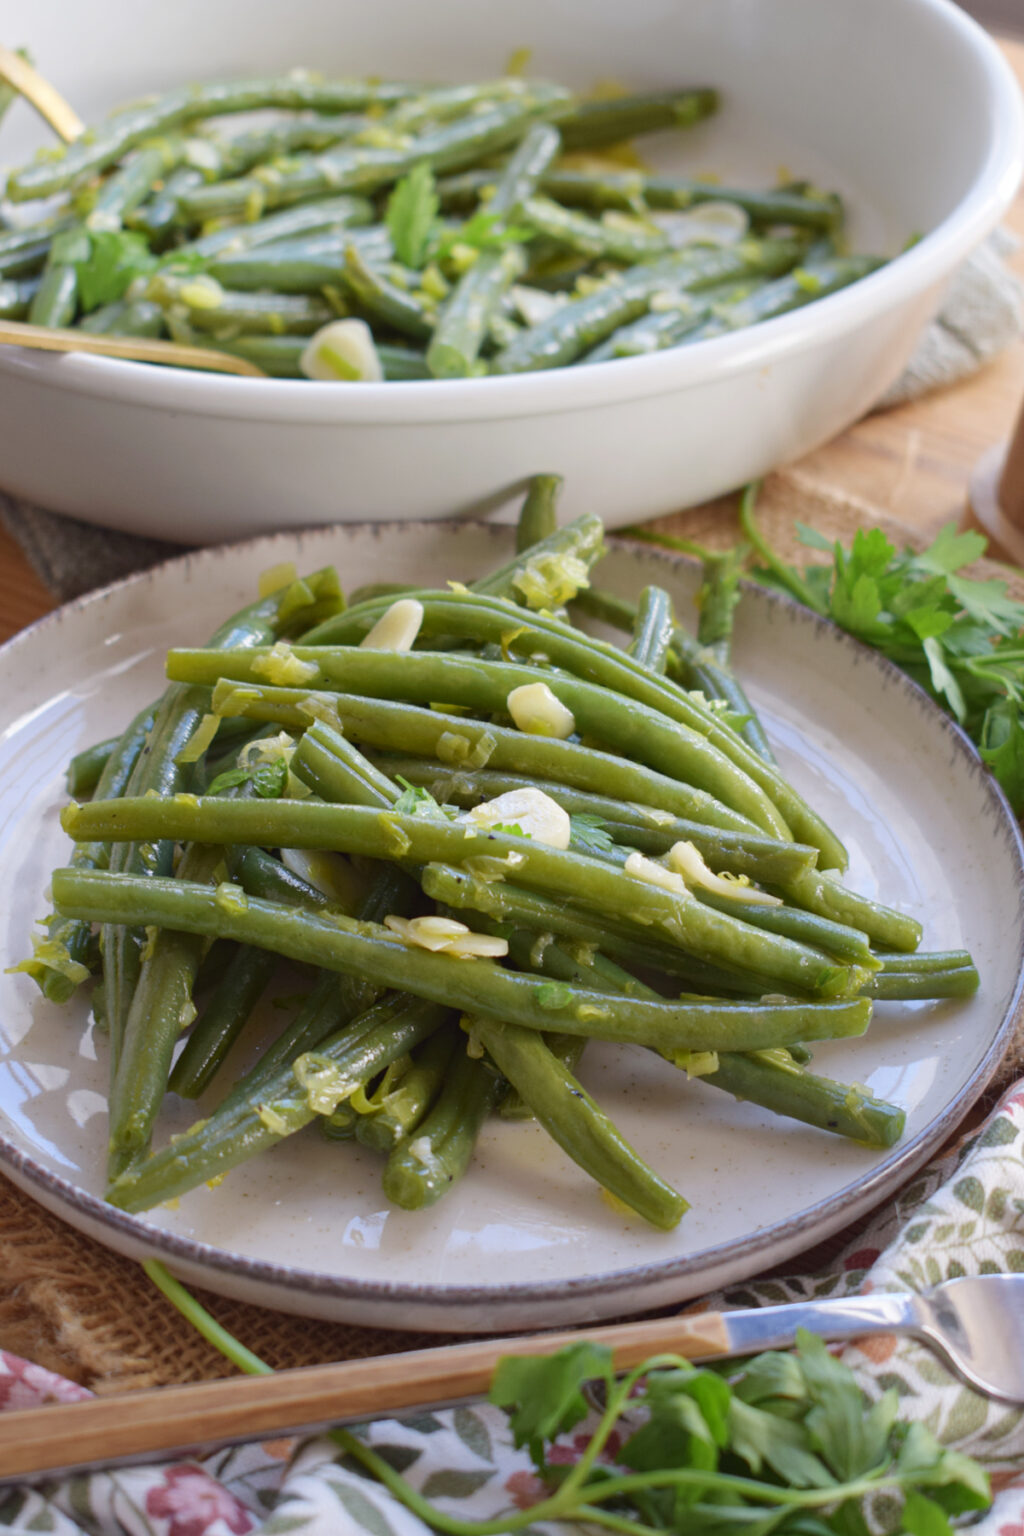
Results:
x,y
191,1501
24,1385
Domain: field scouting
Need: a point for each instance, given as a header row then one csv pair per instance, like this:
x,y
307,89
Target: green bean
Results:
x,y
138,317
234,156
211,307
579,1126
884,926
56,299
105,144
160,1008
281,1105
221,1021
899,986
837,939
652,629
787,1089
68,940
336,770
159,769
403,1108
775,1080
464,320
764,859
545,917
700,669
810,281
261,874
421,1170
25,254
590,124
277,356
383,300
157,216
84,770
924,962
662,328
596,239
462,326
466,616
538,516
580,324
548,573
16,297
633,191
621,725
366,168
401,364
323,216
132,182
465,743
281,356
691,924
371,953
304,264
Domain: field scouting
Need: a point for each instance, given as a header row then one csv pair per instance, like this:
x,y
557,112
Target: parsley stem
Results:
x,y
201,1320
790,578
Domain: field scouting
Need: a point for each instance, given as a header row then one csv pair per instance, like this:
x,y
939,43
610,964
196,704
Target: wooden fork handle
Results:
x,y
154,1424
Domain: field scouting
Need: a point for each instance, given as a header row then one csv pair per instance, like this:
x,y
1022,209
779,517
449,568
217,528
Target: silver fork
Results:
x,y
975,1324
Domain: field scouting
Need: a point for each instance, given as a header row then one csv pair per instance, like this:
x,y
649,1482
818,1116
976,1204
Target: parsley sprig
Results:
x,y
961,639
418,236
787,1446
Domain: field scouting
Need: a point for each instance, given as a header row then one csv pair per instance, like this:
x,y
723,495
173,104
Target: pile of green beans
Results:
x,y
477,229
314,788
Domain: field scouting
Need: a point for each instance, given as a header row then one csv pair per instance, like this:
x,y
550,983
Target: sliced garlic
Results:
x,y
535,710
395,630
687,861
536,815
711,223
342,352
642,868
445,935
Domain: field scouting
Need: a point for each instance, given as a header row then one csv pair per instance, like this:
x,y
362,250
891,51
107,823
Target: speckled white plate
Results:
x,y
525,1240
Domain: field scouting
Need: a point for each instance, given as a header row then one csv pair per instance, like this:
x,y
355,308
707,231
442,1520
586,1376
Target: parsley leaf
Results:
x,y
410,215
416,800
115,259
268,780
587,834
482,232
544,1394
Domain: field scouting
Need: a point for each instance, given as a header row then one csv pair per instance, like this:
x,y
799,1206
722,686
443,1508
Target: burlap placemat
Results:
x,y
69,1304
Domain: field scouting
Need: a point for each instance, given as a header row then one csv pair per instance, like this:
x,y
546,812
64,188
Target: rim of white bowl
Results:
x,y
557,391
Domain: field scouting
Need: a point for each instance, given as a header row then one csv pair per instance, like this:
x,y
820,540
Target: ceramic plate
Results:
x,y
525,1240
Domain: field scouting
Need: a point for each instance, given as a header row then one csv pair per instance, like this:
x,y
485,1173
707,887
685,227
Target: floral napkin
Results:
x,y
964,1215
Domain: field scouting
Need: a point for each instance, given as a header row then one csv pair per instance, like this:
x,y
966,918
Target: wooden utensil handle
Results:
x,y
150,1425
140,349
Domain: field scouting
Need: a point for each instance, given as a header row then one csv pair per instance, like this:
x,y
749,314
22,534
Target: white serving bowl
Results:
x,y
905,106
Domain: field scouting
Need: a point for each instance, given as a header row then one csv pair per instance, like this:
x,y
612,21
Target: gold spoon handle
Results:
x,y
39,93
140,349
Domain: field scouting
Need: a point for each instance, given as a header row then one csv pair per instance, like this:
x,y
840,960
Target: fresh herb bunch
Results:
x,y
786,1445
962,640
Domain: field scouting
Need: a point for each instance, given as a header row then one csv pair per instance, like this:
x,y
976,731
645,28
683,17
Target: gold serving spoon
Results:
x,y
63,119
40,94
139,349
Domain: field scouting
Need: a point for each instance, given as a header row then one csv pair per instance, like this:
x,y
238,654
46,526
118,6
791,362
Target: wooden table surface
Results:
x,y
912,463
